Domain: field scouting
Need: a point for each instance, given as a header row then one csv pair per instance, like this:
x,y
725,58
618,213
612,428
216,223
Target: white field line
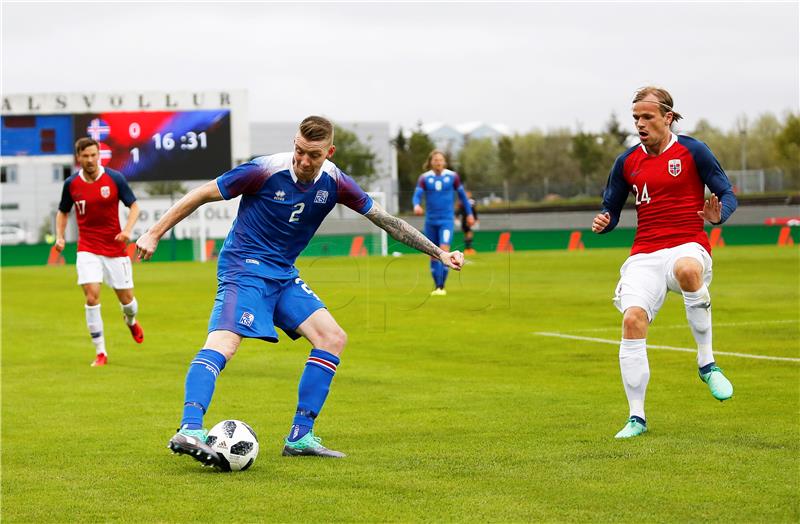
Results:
x,y
669,348
686,326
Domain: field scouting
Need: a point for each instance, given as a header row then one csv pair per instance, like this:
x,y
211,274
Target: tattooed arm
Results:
x,y
402,231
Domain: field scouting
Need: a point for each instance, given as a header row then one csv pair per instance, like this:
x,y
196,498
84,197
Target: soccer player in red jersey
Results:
x,y
96,192
667,175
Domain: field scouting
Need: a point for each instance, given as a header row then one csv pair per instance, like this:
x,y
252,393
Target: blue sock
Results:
x,y
445,271
315,382
435,272
200,382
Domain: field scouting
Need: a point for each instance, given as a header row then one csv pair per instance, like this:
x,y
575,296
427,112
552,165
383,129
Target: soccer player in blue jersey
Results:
x,y
437,183
285,197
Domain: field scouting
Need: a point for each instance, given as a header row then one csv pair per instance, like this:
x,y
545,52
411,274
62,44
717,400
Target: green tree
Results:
x,y
787,145
615,131
354,157
506,161
478,159
412,152
543,164
587,149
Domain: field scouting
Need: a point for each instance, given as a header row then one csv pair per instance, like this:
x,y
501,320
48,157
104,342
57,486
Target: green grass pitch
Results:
x,y
451,409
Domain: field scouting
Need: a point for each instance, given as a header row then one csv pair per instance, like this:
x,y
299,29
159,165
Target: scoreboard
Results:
x,y
143,145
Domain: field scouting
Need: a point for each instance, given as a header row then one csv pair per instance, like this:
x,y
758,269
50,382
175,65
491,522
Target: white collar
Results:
x,y
672,139
101,170
321,169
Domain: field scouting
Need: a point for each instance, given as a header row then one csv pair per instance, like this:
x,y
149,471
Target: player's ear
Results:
x,y
331,151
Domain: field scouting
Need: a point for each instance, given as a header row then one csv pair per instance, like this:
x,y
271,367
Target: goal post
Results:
x,y
379,197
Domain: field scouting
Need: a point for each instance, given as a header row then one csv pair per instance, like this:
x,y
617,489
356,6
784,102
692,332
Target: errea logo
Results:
x,y
280,195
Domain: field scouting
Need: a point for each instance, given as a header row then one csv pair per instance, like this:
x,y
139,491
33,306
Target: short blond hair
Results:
x,y
316,129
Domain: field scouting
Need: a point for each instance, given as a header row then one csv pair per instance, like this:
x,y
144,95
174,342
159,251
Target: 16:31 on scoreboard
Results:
x,y
161,145
143,145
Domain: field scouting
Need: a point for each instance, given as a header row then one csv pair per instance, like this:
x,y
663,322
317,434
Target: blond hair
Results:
x,y
316,129
663,97
427,165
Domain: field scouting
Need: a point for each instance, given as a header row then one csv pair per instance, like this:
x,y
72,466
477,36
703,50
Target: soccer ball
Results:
x,y
236,444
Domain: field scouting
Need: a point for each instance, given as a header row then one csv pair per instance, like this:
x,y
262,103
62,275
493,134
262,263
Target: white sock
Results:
x,y
130,311
635,373
95,324
698,313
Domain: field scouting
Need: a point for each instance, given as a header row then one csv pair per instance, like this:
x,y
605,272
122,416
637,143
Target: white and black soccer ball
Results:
x,y
236,444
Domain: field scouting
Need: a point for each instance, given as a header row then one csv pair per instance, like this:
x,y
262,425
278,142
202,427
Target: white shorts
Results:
x,y
114,271
645,278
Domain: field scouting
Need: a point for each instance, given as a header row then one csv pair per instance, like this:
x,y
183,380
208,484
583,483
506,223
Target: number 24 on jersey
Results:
x,y
642,198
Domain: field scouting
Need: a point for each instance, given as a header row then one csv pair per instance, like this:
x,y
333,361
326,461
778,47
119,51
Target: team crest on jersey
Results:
x,y
105,191
247,319
321,197
280,195
674,167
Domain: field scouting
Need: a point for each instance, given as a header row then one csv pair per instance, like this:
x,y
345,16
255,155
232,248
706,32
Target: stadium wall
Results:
x,y
172,249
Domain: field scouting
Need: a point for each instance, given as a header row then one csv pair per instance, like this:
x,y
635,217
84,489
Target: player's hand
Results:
x,y
59,245
712,210
470,220
123,237
453,260
146,246
418,210
600,222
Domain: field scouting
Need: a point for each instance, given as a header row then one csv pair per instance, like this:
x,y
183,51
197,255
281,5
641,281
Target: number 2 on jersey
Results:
x,y
294,217
644,198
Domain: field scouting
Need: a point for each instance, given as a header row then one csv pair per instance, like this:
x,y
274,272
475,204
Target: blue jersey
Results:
x,y
438,190
278,214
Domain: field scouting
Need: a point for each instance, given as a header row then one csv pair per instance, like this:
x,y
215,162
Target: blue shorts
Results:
x,y
253,306
439,232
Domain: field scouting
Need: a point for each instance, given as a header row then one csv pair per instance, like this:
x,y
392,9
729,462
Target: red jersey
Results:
x,y
97,210
669,190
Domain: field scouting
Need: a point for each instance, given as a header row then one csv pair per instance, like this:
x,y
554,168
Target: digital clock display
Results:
x,y
161,145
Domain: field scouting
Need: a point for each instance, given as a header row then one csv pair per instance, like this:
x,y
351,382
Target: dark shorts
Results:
x,y
253,306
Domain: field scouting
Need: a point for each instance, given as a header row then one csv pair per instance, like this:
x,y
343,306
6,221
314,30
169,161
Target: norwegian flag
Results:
x,y
105,154
98,129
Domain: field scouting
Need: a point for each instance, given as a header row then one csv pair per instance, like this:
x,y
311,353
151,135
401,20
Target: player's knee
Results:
x,y
634,323
334,341
688,275
92,299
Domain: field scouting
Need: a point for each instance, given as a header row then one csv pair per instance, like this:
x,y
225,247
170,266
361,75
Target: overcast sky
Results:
x,y
525,65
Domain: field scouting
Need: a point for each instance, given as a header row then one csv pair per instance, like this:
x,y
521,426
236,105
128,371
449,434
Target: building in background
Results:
x,y
187,137
451,139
